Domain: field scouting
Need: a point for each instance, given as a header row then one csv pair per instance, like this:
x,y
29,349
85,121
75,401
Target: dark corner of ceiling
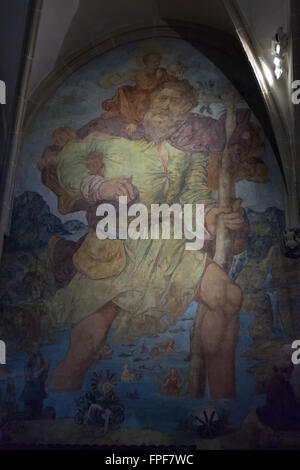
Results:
x,y
12,60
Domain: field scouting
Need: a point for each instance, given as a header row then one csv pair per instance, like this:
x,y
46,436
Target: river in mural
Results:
x,y
165,413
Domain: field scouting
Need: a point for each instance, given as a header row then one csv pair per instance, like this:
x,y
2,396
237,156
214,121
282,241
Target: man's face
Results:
x,y
169,102
167,108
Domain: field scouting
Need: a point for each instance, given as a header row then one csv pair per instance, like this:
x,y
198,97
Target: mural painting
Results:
x,y
140,341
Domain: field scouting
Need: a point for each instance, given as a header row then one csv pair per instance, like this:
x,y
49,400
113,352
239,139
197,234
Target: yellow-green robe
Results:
x,y
161,277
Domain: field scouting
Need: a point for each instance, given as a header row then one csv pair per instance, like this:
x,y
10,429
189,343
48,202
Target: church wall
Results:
x,y
39,284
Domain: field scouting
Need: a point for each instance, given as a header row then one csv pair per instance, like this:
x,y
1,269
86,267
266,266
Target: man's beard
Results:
x,y
159,131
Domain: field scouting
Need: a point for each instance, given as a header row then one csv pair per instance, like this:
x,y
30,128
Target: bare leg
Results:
x,y
219,329
86,338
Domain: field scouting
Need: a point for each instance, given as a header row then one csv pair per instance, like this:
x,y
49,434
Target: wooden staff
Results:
x,y
223,254
224,240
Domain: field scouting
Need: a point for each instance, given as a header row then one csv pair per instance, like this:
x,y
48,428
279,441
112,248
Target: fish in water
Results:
x,y
155,367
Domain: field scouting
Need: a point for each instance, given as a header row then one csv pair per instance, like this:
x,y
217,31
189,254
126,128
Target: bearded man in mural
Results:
x,y
129,285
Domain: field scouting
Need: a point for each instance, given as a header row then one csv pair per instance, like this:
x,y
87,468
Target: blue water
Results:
x,y
153,410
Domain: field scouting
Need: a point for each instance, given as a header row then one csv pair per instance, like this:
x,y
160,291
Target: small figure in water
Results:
x,y
173,383
127,375
144,349
36,372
